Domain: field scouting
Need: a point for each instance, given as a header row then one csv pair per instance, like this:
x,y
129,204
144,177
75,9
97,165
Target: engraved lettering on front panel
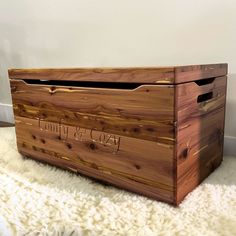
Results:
x,y
105,139
58,128
80,134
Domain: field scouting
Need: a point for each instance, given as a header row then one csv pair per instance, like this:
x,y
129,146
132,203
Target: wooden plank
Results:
x,y
146,112
185,74
118,181
130,75
139,165
158,75
203,165
199,134
187,94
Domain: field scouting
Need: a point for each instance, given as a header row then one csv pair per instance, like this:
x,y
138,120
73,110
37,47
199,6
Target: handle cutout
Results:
x,y
204,81
90,84
204,97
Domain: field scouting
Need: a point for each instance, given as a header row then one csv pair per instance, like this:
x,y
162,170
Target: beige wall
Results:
x,y
72,33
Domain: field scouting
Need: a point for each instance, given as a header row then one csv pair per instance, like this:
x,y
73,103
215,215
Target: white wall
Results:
x,y
74,33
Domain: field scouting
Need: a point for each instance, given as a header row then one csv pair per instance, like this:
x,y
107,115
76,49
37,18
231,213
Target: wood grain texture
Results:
x,y
159,139
101,153
146,112
185,74
199,135
158,75
130,75
101,132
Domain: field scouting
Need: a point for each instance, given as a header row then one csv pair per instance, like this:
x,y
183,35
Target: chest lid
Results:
x,y
142,75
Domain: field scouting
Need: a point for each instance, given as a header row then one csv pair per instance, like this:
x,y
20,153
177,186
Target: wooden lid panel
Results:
x,y
185,74
128,75
148,75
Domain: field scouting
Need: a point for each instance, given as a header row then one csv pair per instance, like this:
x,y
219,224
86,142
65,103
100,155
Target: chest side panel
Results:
x,y
200,110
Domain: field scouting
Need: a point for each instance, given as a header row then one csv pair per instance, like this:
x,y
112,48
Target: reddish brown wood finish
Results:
x,y
159,75
121,160
199,133
185,74
125,112
157,140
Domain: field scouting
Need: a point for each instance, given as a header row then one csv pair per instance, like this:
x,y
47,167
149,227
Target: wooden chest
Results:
x,y
154,131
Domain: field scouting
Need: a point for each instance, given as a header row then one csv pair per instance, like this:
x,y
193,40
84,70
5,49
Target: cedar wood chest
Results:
x,y
154,131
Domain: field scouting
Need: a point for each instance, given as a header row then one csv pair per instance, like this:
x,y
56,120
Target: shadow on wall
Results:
x,y
230,118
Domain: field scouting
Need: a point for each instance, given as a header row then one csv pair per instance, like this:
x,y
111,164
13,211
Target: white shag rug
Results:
x,y
37,199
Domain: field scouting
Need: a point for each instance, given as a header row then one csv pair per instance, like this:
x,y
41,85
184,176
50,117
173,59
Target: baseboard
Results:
x,y
6,113
230,146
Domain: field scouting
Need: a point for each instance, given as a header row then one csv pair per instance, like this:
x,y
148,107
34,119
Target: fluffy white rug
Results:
x,y
37,199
